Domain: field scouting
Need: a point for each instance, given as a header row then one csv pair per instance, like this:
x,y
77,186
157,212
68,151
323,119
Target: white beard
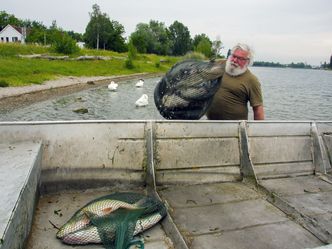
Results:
x,y
234,69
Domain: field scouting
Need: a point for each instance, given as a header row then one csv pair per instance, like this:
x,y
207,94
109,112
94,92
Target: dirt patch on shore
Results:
x,y
12,98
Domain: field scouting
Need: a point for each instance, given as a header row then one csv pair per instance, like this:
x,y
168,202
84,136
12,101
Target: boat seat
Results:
x,y
20,167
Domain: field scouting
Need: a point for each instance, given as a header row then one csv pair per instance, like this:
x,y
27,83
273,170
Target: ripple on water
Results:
x,y
289,94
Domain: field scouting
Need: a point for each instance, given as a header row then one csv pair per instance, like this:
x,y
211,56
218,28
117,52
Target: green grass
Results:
x,y
16,71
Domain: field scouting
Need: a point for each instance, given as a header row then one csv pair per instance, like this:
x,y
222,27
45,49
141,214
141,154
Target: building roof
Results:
x,y
18,29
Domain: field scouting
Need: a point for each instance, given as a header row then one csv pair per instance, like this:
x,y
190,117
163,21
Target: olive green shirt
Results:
x,y
230,101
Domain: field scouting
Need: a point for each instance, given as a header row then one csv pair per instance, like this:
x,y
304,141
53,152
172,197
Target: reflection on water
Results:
x,y
289,94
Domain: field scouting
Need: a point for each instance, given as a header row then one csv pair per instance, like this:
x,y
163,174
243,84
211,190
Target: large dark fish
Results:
x,y
187,89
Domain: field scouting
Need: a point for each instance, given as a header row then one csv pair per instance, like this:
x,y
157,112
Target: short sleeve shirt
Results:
x,y
230,101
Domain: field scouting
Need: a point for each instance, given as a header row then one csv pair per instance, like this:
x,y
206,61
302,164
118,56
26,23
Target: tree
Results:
x,y
203,44
6,19
204,47
216,47
180,37
142,37
198,38
151,38
75,36
102,32
331,62
161,44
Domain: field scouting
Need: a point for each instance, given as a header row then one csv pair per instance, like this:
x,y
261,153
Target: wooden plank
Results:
x,y
193,153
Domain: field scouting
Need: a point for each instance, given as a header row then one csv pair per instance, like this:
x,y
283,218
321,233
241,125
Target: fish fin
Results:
x,y
87,215
107,210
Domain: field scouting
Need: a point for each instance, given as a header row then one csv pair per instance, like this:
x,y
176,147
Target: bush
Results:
x,y
132,51
4,83
129,63
194,55
64,44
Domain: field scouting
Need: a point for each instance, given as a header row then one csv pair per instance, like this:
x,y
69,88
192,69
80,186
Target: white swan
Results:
x,y
142,101
140,83
113,86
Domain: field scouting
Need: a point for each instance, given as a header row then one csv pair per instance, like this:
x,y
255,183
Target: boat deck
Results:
x,y
225,184
53,210
232,215
216,215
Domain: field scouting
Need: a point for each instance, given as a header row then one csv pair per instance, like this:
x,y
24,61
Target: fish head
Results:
x,y
75,223
83,236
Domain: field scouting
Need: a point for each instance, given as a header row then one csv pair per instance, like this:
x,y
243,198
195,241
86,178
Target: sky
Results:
x,y
282,31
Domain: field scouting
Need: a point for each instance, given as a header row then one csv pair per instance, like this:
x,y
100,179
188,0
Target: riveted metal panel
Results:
x,y
278,129
280,149
193,153
196,129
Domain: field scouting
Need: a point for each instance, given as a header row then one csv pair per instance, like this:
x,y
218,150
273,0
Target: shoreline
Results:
x,y
12,98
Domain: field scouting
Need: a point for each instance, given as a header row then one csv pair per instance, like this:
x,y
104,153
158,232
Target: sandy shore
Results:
x,y
14,97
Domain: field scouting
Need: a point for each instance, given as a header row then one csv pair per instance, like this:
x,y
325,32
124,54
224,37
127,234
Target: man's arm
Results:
x,y
258,112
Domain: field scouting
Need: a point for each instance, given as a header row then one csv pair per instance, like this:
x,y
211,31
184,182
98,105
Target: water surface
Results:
x,y
289,94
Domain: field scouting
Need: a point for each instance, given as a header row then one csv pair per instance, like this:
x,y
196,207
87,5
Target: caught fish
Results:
x,y
187,89
100,207
91,234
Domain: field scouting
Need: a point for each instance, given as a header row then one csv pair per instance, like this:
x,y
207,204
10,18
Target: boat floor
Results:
x,y
53,210
232,215
216,215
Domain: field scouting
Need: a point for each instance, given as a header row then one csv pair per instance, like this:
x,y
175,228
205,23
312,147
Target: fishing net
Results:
x,y
187,89
116,229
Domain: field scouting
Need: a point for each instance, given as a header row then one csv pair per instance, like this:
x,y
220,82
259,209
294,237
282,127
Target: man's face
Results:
x,y
237,62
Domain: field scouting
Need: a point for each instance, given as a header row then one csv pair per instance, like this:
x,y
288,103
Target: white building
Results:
x,y
13,34
80,44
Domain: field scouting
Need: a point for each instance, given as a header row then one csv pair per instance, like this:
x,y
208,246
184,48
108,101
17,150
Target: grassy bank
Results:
x,y
16,71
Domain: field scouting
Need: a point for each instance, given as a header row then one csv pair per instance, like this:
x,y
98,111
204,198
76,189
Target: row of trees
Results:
x,y
273,64
103,33
153,37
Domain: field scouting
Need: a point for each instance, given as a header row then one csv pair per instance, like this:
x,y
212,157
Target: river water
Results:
x,y
289,94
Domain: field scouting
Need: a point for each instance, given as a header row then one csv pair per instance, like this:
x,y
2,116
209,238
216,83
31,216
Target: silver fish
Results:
x,y
98,208
90,235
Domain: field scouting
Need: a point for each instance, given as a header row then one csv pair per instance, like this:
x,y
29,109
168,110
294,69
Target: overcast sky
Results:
x,y
282,31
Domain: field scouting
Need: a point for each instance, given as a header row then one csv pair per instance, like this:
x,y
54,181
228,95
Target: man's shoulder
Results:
x,y
248,74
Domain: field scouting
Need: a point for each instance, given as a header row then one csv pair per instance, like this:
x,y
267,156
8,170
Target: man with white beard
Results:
x,y
238,87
